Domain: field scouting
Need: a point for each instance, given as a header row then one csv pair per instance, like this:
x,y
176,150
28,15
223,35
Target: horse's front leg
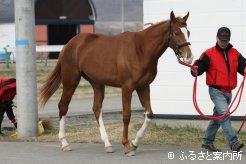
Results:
x,y
144,96
126,102
97,109
104,135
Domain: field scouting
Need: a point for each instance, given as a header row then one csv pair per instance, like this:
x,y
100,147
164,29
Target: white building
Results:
x,y
171,91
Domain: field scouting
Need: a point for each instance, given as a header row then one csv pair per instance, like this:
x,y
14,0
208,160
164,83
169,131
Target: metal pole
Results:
x,y
27,113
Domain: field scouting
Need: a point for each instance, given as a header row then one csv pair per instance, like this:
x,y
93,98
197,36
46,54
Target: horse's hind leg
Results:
x,y
144,96
61,135
69,85
97,109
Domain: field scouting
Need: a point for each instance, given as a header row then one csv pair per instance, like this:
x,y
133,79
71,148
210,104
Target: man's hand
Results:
x,y
194,70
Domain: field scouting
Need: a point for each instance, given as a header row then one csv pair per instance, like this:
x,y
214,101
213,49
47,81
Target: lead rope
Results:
x,y
228,113
244,120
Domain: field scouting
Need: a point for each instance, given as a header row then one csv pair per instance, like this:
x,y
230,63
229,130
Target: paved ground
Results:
x,y
50,153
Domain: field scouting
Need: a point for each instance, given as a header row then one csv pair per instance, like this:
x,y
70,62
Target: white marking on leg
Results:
x,y
141,131
104,135
61,134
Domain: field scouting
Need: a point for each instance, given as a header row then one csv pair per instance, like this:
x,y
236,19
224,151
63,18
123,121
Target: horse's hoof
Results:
x,y
66,148
130,153
109,149
133,147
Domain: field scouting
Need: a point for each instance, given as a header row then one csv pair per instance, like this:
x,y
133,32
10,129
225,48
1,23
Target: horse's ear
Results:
x,y
186,17
172,16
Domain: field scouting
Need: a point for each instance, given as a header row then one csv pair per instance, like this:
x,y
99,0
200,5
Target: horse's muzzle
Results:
x,y
188,60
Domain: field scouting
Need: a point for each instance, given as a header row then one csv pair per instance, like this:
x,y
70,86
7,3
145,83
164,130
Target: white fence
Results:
x,y
11,55
40,48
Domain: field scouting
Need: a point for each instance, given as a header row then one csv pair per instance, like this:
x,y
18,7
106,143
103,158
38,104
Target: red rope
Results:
x,y
228,113
244,120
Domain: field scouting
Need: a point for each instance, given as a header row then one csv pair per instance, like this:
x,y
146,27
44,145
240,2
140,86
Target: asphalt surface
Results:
x,y
87,153
50,153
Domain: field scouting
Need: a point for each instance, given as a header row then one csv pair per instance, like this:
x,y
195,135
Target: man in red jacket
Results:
x,y
7,94
221,64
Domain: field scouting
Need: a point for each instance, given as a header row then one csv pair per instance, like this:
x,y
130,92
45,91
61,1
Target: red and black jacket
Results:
x,y
221,66
7,89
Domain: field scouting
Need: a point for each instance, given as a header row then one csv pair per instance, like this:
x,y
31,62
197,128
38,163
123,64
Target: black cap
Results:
x,y
224,33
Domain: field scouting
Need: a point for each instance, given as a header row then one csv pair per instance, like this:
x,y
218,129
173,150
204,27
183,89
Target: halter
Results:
x,y
175,46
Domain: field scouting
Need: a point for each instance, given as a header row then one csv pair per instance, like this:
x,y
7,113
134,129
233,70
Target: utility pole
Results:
x,y
27,112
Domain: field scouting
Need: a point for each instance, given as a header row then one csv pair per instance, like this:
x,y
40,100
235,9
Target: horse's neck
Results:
x,y
155,41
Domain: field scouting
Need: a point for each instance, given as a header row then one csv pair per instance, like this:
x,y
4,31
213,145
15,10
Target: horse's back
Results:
x,y
88,38
101,57
98,45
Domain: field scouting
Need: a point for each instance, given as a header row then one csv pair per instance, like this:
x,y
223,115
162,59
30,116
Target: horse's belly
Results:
x,y
104,79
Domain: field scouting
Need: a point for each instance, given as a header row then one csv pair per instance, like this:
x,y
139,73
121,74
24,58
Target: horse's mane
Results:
x,y
153,25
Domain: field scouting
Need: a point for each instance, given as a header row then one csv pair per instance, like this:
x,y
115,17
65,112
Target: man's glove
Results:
x,y
194,70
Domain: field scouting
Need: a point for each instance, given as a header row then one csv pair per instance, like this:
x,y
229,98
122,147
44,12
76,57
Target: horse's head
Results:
x,y
178,37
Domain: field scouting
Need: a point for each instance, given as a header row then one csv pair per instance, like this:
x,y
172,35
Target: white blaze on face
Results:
x,y
185,32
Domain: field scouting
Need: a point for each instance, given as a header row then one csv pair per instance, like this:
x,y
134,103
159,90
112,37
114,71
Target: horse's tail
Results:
x,y
50,85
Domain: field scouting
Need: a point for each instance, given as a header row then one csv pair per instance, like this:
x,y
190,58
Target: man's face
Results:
x,y
222,43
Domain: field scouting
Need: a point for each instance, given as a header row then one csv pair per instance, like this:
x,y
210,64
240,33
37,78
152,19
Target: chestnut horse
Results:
x,y
128,60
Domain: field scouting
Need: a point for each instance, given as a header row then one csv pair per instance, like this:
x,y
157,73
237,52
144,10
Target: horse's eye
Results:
x,y
177,33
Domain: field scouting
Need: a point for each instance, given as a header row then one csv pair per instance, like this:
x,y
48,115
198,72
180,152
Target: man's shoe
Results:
x,y
210,147
237,146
